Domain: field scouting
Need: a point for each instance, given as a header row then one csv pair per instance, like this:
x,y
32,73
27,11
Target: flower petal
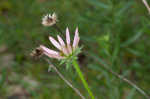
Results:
x,y
51,53
67,36
60,40
53,15
45,49
69,49
63,46
55,43
53,56
76,39
49,15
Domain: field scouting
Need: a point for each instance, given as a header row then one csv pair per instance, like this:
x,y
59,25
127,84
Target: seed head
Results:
x,y
38,52
49,20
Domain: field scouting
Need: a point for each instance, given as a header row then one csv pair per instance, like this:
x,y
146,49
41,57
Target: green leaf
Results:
x,y
124,8
99,4
131,94
132,39
116,49
3,78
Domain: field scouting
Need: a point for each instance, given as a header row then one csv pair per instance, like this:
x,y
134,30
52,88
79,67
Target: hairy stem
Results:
x,y
146,5
76,66
65,80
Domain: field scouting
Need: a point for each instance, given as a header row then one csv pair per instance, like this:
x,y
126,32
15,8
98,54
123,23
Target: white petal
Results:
x,y
55,43
49,15
53,15
76,39
67,36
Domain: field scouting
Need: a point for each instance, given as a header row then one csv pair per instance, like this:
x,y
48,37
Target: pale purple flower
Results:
x,y
64,49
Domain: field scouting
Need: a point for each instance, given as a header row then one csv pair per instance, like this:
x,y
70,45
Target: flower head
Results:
x,y
38,52
49,20
65,49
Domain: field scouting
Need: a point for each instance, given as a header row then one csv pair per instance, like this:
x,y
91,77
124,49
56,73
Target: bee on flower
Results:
x,y
65,49
49,20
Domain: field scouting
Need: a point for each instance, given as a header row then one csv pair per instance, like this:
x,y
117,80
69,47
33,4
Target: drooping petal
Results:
x,y
76,39
51,53
55,43
67,36
45,49
63,46
53,56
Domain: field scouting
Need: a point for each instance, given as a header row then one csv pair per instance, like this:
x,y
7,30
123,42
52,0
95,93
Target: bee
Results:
x,y
37,53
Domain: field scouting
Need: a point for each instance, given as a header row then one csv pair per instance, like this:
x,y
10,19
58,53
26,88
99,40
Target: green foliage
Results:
x,y
114,31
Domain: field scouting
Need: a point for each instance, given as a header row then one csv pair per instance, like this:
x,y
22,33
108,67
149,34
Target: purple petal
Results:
x,y
60,40
65,51
76,39
51,53
53,56
45,49
55,43
67,36
69,49
63,46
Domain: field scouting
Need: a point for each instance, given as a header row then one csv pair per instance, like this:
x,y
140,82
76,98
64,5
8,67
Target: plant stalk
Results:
x,y
77,68
65,80
146,5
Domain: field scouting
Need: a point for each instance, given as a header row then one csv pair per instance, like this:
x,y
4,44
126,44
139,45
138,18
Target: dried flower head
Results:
x,y
37,52
49,20
66,50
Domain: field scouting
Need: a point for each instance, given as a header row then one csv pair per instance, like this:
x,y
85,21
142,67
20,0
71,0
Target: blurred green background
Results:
x,y
114,32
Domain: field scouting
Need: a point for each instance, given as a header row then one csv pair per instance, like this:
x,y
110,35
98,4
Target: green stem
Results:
x,y
76,66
